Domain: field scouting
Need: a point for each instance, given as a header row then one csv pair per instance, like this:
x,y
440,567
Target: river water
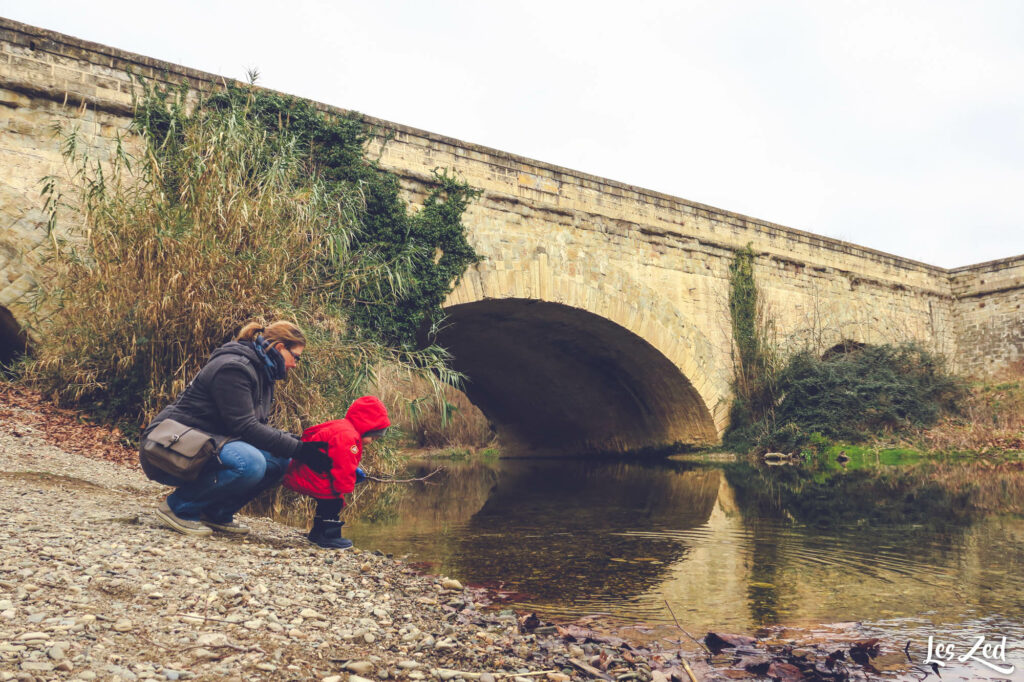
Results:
x,y
727,546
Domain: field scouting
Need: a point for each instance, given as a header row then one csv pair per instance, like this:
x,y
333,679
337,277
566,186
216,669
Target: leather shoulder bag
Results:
x,y
179,450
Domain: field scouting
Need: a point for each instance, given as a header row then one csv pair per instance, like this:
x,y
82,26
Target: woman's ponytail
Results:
x,y
249,331
281,331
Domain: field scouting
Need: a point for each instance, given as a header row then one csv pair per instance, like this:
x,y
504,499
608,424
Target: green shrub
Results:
x,y
874,389
852,396
245,205
806,399
428,248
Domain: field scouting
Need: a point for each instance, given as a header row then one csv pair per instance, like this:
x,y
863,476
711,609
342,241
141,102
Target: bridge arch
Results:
x,y
564,364
13,340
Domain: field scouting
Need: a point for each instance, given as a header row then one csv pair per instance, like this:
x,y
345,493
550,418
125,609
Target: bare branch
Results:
x,y
404,480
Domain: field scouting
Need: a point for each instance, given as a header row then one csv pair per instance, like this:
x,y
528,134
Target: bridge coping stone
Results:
x,y
113,62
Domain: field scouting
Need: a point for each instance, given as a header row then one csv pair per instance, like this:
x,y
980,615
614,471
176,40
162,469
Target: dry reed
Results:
x,y
159,256
990,420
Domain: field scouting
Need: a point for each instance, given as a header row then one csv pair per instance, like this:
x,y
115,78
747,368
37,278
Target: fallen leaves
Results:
x,y
787,664
25,413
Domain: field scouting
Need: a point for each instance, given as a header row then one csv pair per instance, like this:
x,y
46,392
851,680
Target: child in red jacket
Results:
x,y
365,420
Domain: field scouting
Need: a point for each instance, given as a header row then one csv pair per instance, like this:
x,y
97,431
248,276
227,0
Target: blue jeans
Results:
x,y
226,484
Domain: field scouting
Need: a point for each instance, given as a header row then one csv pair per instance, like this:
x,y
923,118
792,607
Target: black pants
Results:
x,y
329,510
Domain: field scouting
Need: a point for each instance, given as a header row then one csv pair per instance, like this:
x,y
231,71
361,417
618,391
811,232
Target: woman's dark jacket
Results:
x,y
232,396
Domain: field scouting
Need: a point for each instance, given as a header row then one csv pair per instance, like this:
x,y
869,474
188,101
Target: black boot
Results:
x,y
327,533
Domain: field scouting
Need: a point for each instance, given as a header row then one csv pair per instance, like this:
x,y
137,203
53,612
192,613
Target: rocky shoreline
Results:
x,y
91,587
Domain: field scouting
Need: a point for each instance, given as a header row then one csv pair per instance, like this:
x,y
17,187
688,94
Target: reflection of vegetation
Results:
x,y
451,496
762,592
931,493
575,537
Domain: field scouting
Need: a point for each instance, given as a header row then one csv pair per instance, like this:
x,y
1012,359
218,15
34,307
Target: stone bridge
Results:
x,y
599,319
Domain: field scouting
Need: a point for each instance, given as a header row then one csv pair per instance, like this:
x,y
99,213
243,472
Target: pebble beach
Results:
x,y
93,588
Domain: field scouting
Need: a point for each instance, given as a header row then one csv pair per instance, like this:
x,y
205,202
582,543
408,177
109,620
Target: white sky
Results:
x,y
895,124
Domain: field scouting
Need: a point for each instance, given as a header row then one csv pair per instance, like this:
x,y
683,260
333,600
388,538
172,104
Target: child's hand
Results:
x,y
360,475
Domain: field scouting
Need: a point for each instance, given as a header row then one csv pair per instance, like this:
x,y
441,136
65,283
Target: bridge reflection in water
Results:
x,y
579,537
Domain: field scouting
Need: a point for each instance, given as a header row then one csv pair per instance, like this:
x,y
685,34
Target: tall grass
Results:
x,y
990,419
165,247
430,418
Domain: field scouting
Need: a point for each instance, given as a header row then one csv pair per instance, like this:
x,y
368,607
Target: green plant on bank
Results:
x,y
428,249
809,400
870,390
244,205
866,456
755,388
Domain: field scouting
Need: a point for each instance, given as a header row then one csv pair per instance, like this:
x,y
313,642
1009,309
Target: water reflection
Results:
x,y
563,533
731,547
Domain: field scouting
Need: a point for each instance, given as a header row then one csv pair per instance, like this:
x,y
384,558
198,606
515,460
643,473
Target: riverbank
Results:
x,y
92,588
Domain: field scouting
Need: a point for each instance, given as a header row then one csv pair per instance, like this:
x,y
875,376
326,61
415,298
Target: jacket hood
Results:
x,y
237,348
367,414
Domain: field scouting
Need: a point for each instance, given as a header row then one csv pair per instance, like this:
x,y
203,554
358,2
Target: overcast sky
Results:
x,y
896,124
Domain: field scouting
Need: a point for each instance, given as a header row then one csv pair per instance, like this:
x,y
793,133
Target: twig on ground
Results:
x,y
225,645
682,659
688,669
681,629
590,670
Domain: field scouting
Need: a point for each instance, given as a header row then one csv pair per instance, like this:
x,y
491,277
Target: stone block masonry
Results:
x,y
652,265
990,321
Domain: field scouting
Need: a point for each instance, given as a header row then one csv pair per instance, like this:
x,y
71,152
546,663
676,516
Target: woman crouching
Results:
x,y
365,421
232,396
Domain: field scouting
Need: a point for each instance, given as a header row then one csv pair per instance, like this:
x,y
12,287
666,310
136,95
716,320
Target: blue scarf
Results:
x,y
273,361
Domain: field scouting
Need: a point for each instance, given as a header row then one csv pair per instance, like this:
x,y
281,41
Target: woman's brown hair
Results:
x,y
281,331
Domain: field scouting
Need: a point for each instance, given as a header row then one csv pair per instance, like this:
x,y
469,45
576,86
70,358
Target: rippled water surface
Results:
x,y
724,546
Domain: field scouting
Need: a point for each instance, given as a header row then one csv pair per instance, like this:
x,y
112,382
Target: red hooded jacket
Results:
x,y
345,447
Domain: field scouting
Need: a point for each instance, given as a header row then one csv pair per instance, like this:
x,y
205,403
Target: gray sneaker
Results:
x,y
173,521
232,527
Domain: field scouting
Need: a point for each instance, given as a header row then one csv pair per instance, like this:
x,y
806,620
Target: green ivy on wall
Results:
x,y
426,251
